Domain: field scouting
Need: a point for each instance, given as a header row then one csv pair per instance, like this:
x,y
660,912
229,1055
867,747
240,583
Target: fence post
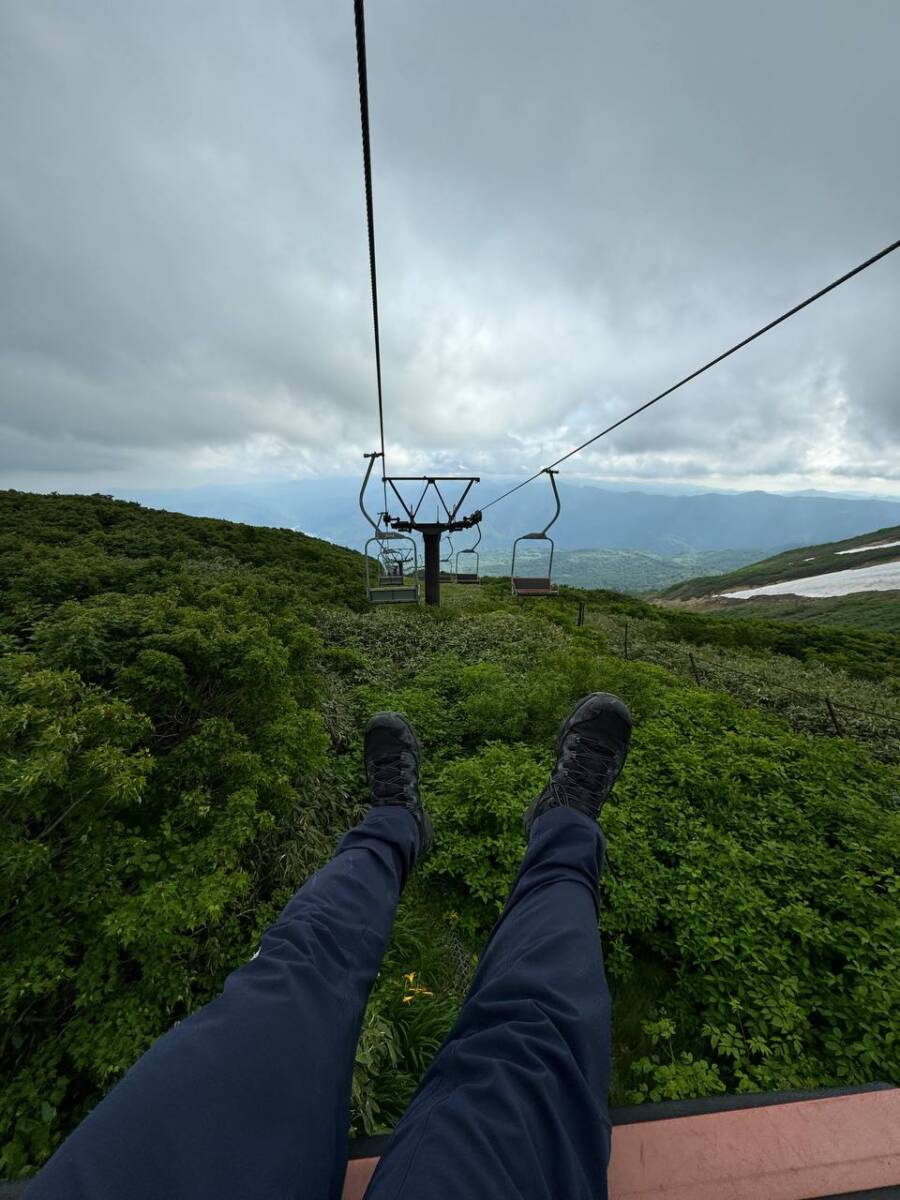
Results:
x,y
581,613
834,717
626,639
695,670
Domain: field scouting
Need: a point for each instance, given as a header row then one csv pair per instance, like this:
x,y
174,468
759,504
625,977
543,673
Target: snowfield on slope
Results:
x,y
882,577
873,546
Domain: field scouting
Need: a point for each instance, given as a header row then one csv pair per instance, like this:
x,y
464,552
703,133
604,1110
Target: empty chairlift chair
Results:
x,y
392,560
389,579
470,557
394,564
537,584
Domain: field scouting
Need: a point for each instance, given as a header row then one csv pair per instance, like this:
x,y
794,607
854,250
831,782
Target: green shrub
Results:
x,y
478,804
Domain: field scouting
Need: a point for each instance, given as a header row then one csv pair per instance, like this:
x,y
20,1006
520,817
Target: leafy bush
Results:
x,y
478,804
156,750
665,1076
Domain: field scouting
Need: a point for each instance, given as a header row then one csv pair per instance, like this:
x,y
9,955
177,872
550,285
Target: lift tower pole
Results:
x,y
431,536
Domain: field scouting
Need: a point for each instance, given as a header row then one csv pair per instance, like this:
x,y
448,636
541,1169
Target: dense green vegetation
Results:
x,y
860,653
868,710
879,611
180,711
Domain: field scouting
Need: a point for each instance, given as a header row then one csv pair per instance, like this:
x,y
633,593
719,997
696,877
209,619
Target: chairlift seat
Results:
x,y
467,577
800,1144
528,585
393,595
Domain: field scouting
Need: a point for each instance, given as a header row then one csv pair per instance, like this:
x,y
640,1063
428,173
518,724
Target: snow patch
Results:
x,y
881,577
859,549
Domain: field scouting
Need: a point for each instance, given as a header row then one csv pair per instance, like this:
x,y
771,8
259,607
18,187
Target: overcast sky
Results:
x,y
576,203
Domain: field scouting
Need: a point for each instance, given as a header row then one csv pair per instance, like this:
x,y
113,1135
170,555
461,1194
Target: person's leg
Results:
x,y
250,1095
515,1103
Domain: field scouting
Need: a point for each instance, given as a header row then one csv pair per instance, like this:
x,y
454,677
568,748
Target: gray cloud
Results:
x,y
575,205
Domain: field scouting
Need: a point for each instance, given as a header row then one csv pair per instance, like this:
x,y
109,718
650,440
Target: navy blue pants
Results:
x,y
249,1097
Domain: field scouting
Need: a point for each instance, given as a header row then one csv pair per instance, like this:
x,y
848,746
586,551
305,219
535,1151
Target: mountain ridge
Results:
x,y
592,517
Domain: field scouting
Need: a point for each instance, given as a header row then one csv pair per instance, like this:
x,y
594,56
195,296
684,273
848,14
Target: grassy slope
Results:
x,y
200,686
877,611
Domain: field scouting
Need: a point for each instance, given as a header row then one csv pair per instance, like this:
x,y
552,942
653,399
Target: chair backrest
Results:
x,y
471,559
532,585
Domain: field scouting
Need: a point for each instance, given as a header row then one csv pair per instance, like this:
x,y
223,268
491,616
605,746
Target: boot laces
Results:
x,y
585,767
388,779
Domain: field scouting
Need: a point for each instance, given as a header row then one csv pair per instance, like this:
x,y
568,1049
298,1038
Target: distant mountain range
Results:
x,y
592,518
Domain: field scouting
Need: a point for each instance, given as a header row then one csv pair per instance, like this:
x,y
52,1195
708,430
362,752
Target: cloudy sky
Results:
x,y
576,203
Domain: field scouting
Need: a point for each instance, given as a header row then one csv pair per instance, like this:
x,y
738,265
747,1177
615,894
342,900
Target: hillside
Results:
x,y
633,571
180,711
855,581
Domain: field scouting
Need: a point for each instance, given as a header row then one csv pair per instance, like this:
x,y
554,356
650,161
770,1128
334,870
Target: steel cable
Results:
x,y
700,370
360,20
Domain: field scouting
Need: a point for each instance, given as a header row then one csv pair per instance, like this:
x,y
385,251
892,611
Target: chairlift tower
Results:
x,y
410,521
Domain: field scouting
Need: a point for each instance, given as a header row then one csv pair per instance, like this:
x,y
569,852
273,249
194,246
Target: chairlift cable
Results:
x,y
700,370
360,19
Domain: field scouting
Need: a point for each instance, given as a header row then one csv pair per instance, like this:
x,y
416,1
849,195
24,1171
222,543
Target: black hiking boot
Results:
x,y
392,751
590,753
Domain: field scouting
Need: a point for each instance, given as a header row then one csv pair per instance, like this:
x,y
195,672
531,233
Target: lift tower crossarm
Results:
x,y
412,512
431,531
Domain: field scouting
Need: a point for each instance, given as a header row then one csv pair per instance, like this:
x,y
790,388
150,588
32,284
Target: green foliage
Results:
x,y
855,653
875,611
411,1009
867,709
761,866
863,654
180,712
477,804
666,1076
157,751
